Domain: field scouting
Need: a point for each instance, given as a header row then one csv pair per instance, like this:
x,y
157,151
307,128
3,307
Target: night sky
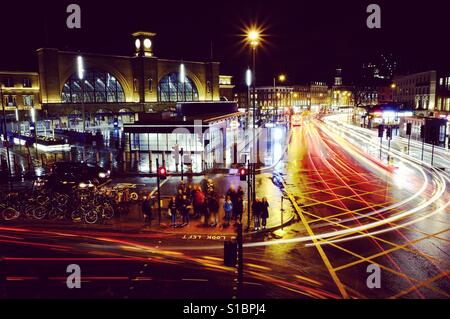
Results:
x,y
306,40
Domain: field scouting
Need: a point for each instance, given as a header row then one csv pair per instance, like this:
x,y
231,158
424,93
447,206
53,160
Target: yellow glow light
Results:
x,y
282,78
253,37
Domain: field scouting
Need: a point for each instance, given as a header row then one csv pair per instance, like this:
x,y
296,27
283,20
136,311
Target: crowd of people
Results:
x,y
203,202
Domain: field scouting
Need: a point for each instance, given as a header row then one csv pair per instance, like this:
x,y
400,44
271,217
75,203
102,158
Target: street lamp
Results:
x,y
253,38
393,87
33,120
80,68
183,79
281,78
248,81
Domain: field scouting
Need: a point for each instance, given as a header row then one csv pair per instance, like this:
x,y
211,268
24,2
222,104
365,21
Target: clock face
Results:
x,y
137,43
147,43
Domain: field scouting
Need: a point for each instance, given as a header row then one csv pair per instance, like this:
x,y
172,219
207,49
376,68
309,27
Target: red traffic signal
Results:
x,y
162,172
243,173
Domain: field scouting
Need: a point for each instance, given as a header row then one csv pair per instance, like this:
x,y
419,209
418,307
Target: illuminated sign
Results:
x,y
234,124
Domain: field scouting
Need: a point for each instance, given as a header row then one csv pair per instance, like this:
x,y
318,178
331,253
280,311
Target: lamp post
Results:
x,y
5,135
281,78
80,68
33,120
393,87
248,81
183,79
253,38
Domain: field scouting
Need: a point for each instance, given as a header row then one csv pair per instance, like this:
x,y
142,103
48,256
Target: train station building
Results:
x,y
121,86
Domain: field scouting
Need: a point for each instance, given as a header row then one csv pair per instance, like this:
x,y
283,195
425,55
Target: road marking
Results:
x,y
319,249
194,279
308,279
425,283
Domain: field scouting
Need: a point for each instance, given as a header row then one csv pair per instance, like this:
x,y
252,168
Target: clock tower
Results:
x,y
143,43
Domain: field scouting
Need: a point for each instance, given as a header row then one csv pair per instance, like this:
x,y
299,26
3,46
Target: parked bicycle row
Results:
x,y
84,203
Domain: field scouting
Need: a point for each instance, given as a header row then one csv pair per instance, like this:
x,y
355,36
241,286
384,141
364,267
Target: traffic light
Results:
x,y
408,128
380,130
422,131
162,172
243,174
389,132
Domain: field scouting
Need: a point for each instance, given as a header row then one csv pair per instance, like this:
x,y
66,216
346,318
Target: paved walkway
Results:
x,y
277,215
134,221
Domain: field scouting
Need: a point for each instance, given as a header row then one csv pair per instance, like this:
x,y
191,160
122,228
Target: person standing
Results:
x,y
205,212
213,206
264,212
240,192
185,206
233,197
198,202
172,209
238,209
146,208
204,185
228,208
256,208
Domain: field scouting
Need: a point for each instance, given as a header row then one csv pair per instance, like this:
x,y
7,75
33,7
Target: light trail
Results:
x,y
437,177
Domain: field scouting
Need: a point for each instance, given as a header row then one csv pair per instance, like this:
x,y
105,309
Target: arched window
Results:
x,y
172,89
99,87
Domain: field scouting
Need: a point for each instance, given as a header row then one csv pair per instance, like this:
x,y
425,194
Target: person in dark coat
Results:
x,y
205,212
172,211
179,200
238,209
213,207
256,208
185,206
264,212
232,193
147,210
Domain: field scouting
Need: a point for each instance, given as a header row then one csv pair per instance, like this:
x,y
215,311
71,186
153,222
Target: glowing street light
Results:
x,y
182,79
282,78
80,68
248,77
182,73
33,115
253,37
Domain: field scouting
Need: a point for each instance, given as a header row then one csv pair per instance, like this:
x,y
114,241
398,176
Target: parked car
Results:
x,y
66,175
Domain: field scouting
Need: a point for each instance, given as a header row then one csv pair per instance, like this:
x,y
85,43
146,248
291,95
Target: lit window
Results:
x,y
9,82
99,87
26,82
28,100
10,100
171,89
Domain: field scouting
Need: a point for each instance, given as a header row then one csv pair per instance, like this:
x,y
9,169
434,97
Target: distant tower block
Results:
x,y
338,77
143,43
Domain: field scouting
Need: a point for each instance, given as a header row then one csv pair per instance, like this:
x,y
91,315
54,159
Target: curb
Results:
x,y
137,230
